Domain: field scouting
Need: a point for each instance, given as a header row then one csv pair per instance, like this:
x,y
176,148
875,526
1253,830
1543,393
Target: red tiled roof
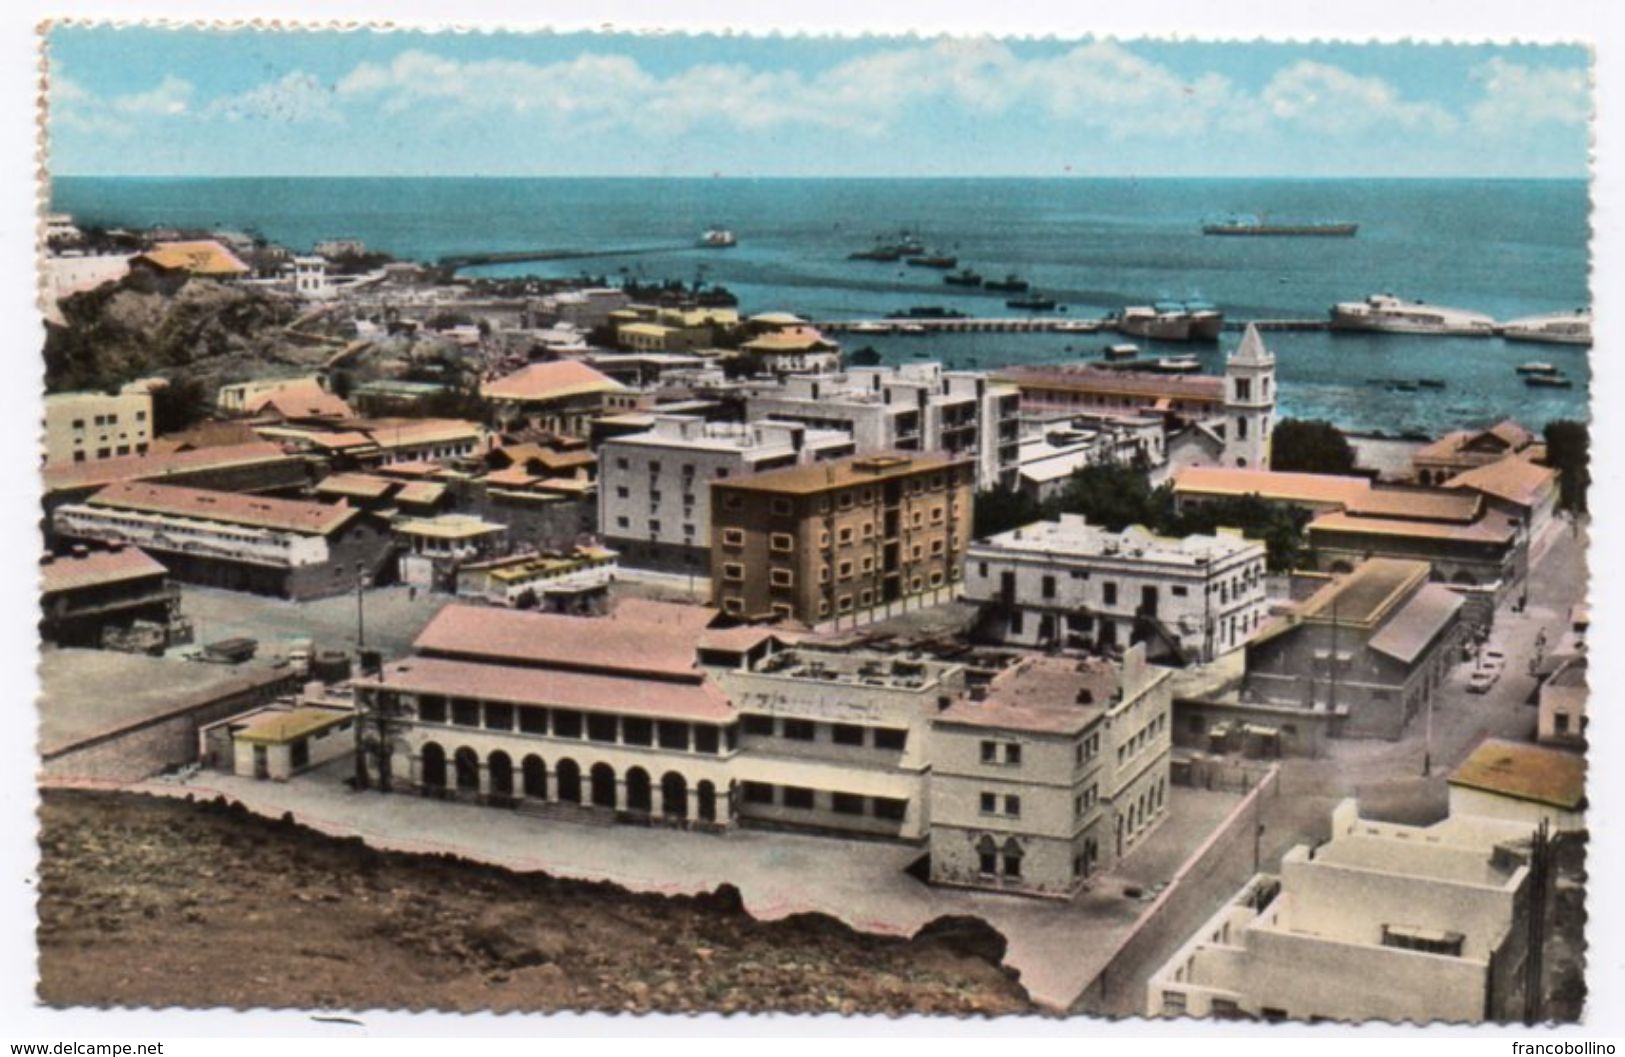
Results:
x,y
553,380
1513,479
300,398
699,701
68,573
148,467
627,643
420,492
1417,504
1486,530
1270,484
1127,383
286,515
1043,695
364,485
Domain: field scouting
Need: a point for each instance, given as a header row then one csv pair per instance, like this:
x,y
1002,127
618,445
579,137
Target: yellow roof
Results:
x,y
448,526
279,728
203,257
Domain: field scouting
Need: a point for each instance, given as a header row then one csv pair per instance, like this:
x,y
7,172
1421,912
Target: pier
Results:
x,y
473,260
1028,325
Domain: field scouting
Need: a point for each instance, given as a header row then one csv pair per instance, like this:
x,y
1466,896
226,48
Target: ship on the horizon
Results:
x,y
1261,225
718,238
890,248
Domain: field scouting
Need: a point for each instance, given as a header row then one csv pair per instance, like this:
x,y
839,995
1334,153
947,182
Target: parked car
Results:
x,y
1493,660
1481,681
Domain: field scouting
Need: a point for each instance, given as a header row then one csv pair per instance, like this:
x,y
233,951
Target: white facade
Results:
x,y
1067,582
1381,922
86,427
910,407
1051,451
654,495
310,278
1249,395
219,540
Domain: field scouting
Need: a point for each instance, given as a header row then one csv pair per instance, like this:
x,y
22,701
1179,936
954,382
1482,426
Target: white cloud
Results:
x,y
171,96
297,98
1320,97
1518,97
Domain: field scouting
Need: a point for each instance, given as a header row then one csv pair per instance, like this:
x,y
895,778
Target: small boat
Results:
x,y
1124,351
1555,380
931,261
927,312
1431,383
872,328
1033,303
1535,367
716,238
963,277
1176,365
1010,284
911,328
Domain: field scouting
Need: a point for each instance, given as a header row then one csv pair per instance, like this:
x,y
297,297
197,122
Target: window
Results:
x,y
894,740
465,713
1049,587
846,535
888,808
988,863
706,739
1012,755
755,724
1178,591
800,729
846,734
672,735
733,537
990,804
733,571
432,709
780,507
498,717
601,728
781,577
637,731
735,606
796,797
622,492
1108,593
990,751
846,804
566,724
1012,864
758,793
782,542
1012,806
623,522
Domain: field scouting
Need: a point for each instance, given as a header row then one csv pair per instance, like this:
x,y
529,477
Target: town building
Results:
x,y
309,275
1522,783
1364,654
1462,450
790,350
282,399
1522,491
434,548
842,542
284,739
584,309
1071,584
1101,390
575,582
1054,447
912,407
1426,924
255,467
87,427
97,598
597,717
833,741
168,265
336,248
150,721
395,396
560,396
380,442
654,498
285,547
1562,709
1050,776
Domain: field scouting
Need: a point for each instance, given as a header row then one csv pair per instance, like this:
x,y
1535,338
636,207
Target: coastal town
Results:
x,y
1198,710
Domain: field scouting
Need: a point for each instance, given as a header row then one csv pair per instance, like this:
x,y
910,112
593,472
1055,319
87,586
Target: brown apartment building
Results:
x,y
842,542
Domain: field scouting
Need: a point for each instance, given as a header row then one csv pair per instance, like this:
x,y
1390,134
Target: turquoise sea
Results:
x,y
1507,248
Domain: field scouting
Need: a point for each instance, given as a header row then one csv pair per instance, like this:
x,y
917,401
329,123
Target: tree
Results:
x,y
179,405
1568,451
1001,510
1114,497
1280,526
1310,446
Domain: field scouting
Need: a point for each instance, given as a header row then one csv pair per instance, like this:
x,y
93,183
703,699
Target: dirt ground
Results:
x,y
150,902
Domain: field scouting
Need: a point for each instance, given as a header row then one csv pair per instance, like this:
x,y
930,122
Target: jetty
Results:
x,y
472,260
1026,325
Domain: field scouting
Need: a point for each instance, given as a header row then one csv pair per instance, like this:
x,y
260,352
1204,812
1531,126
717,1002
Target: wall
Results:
x,y
1465,801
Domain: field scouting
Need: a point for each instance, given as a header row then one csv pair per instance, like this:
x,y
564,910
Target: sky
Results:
x,y
150,101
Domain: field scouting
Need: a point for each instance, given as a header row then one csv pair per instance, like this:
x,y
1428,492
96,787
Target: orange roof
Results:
x,y
144,467
512,477
361,485
1368,594
1487,530
420,492
339,441
1417,504
1125,383
813,478
698,701
1270,484
299,398
285,515
1513,479
1043,695
68,573
629,644
202,257
1522,771
790,339
553,380
396,432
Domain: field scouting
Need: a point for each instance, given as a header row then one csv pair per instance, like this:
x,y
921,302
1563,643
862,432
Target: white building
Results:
x,y
1050,777
86,427
910,407
1381,922
1069,583
310,277
654,495
1522,783
1051,451
1249,387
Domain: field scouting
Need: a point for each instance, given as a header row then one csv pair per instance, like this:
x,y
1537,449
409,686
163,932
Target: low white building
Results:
x,y
434,547
911,407
1051,451
1069,583
309,276
1522,783
556,581
654,494
1382,922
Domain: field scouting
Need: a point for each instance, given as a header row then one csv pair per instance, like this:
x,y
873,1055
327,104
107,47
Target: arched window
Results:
x,y
987,854
535,777
468,770
500,767
603,785
708,801
1012,858
434,766
569,779
637,789
674,794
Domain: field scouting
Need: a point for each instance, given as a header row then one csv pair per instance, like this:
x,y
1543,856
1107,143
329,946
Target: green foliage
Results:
x,y
1568,451
1001,510
182,403
1310,446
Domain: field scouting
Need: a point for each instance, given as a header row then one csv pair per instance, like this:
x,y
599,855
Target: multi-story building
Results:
x,y
913,407
654,497
1365,653
841,542
1052,775
88,597
1055,446
837,741
560,396
1428,924
1456,453
255,466
86,427
285,547
1069,583
791,350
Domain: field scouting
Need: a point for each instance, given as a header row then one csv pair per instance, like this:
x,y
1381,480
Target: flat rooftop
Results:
x,y
851,669
1554,777
1042,695
844,473
1072,536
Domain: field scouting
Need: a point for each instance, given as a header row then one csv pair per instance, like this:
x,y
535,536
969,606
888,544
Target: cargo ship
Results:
x,y
932,260
963,277
1262,226
1010,284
